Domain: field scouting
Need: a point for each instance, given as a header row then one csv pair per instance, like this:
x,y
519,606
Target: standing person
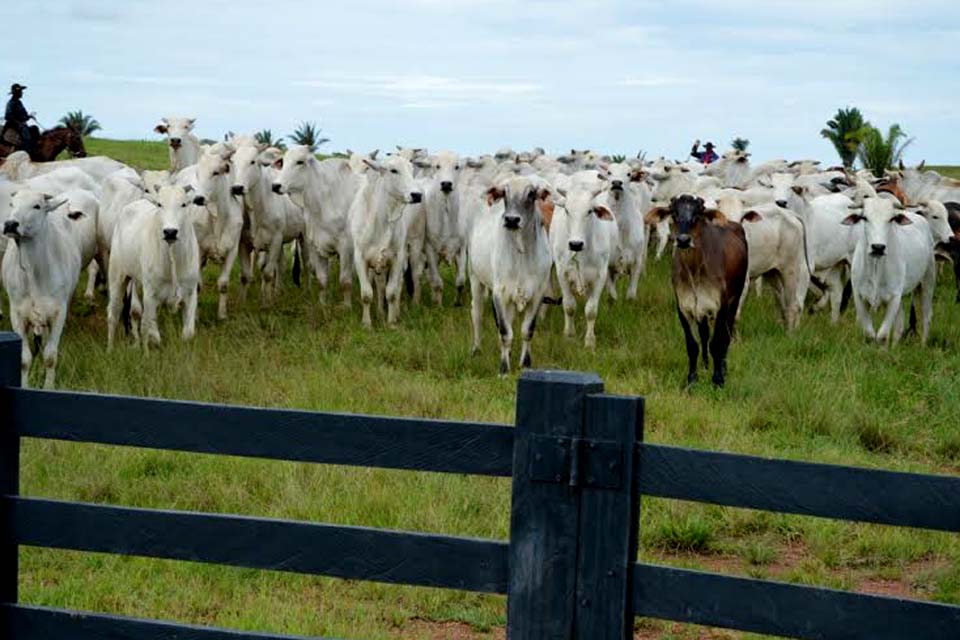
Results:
x,y
706,156
17,117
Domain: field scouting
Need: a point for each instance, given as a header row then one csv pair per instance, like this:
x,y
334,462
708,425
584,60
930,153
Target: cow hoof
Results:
x,y
504,368
718,381
527,361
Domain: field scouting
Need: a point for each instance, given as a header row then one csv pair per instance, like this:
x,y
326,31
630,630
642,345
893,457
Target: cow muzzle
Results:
x,y
175,143
416,197
684,241
616,185
200,201
575,245
446,186
11,229
237,190
511,222
277,189
170,235
878,250
782,204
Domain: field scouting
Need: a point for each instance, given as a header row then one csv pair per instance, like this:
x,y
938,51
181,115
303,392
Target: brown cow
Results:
x,y
709,271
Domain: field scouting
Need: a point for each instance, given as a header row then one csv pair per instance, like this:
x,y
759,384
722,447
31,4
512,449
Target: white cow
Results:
x,y
83,208
40,269
218,219
379,234
775,250
829,244
154,248
444,229
274,219
629,200
510,257
184,147
324,190
19,166
894,257
584,237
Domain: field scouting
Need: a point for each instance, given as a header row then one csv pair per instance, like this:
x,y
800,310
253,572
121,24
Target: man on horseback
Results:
x,y
16,117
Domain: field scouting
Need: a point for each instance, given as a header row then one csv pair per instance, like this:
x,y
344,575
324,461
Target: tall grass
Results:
x,y
820,394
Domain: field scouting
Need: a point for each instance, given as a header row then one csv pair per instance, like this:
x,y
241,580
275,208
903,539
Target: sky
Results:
x,y
477,75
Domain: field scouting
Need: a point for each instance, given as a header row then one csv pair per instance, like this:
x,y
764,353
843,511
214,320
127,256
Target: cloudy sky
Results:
x,y
474,75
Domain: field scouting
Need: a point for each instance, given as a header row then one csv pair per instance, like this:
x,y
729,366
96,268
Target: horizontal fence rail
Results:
x,y
828,491
360,553
782,609
280,434
22,622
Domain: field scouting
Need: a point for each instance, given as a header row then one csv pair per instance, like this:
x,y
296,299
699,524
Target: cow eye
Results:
x,y
37,207
394,171
300,162
438,167
457,168
252,162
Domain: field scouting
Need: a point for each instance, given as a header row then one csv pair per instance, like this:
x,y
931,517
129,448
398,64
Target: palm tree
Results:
x,y
843,131
878,153
265,136
308,134
740,144
81,123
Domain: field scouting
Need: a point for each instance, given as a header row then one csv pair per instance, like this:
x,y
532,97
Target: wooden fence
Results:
x,y
569,569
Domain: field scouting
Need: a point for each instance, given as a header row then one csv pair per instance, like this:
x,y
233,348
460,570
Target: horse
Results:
x,y
50,144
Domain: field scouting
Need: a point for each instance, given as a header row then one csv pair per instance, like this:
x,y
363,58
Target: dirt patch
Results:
x,y
447,631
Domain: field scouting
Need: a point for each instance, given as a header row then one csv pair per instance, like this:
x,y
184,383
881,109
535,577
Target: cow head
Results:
x,y
175,129
784,189
582,208
247,168
939,220
686,213
446,168
877,216
396,177
521,198
297,162
213,171
28,214
173,203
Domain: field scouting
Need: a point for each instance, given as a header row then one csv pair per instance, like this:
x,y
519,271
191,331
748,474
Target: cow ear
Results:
x,y
751,216
161,129
853,219
188,188
901,220
922,164
656,215
715,216
638,175
602,213
494,194
797,189
190,123
543,194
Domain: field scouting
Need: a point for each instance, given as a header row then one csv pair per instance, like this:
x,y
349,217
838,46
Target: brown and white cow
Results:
x,y
709,272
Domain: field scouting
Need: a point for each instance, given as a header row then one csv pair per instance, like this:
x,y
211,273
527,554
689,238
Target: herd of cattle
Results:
x,y
526,230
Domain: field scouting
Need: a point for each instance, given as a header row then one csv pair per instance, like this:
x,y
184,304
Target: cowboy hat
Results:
x,y
15,87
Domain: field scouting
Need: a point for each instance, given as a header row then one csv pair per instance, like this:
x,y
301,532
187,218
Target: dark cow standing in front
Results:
x,y
953,247
709,272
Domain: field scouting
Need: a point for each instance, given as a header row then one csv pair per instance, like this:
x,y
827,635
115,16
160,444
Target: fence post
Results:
x,y
9,466
545,512
609,518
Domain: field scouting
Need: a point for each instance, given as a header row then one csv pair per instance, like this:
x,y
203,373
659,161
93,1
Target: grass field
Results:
x,y
821,394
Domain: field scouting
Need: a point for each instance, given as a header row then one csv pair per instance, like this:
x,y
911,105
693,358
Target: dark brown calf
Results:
x,y
709,272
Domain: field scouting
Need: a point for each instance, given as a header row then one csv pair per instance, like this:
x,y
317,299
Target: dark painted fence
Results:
x,y
578,466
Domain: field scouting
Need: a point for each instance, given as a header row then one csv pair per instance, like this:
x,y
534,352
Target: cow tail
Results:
x,y
848,293
408,279
296,261
125,310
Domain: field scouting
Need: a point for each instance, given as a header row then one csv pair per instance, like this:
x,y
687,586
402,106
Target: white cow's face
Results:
x,y
176,129
620,175
212,170
247,168
446,171
878,216
396,174
581,206
28,214
936,214
173,203
783,190
520,197
297,161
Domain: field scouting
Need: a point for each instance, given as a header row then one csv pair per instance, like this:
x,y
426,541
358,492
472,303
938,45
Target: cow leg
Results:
x,y
704,329
223,282
527,328
720,344
394,286
116,290
863,316
743,299
270,274
590,313
476,311
433,274
346,271
636,270
321,269
366,289
189,315
569,307
927,288
693,350
885,333
504,316
136,311
149,330
611,284
461,275
26,353
663,234
956,275
51,349
380,287
416,262
92,270
245,251
834,281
